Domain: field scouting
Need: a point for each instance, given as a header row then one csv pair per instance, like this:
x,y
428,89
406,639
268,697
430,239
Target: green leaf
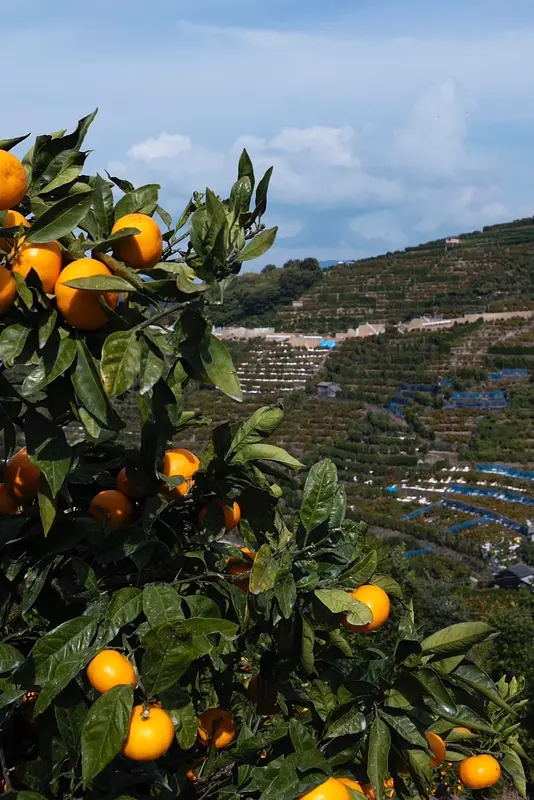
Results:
x,y
10,658
340,602
322,698
143,200
9,144
9,696
70,637
70,723
433,686
169,651
47,506
513,767
124,608
264,571
61,218
90,391
319,493
339,508
264,422
265,452
64,672
245,168
47,323
152,364
477,679
286,594
56,360
48,449
187,727
306,649
219,367
345,721
65,168
406,728
261,194
104,730
387,583
34,580
259,245
378,755
12,341
161,604
457,638
101,283
121,362
360,572
103,205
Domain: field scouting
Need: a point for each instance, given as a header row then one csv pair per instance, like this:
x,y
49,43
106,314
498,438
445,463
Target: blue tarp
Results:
x,y
395,409
420,511
447,383
509,373
470,523
498,494
420,552
327,343
482,400
510,472
485,512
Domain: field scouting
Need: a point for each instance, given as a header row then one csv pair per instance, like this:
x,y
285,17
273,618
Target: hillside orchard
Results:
x,y
166,629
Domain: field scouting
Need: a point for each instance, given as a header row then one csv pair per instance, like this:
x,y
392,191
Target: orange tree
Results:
x,y
144,651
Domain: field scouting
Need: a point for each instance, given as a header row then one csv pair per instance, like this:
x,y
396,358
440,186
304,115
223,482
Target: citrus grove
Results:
x,y
168,628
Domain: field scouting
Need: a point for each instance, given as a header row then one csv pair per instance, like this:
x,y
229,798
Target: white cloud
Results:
x,y
381,225
163,146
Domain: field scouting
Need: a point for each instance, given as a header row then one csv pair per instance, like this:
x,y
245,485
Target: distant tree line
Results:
x,y
256,297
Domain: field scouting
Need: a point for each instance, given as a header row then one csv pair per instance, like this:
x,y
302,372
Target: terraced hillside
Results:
x,y
490,270
416,410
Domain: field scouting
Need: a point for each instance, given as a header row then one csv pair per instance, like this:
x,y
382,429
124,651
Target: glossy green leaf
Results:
x,y
152,364
161,604
48,449
70,637
457,638
263,423
101,283
34,580
169,651
307,658
70,721
378,755
259,245
219,368
10,658
266,452
360,572
124,608
319,493
477,679
346,720
64,672
13,339
143,200
387,583
340,602
322,698
61,218
103,205
405,728
245,168
56,360
47,506
121,361
264,571
104,730
187,728
9,144
90,390
286,595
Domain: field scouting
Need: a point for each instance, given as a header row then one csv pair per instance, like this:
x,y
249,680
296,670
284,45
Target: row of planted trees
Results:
x,y
144,650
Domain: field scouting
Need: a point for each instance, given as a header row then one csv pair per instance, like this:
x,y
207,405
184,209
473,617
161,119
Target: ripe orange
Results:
x,y
150,734
377,600
479,772
142,250
437,745
184,463
232,516
389,786
237,567
22,476
80,307
8,289
108,669
461,730
8,505
12,220
126,487
216,728
112,508
331,789
30,698
13,180
45,259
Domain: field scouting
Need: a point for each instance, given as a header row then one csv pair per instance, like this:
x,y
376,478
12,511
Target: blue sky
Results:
x,y
388,123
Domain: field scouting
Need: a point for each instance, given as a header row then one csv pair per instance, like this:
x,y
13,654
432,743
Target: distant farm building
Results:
x,y
454,241
516,577
328,389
